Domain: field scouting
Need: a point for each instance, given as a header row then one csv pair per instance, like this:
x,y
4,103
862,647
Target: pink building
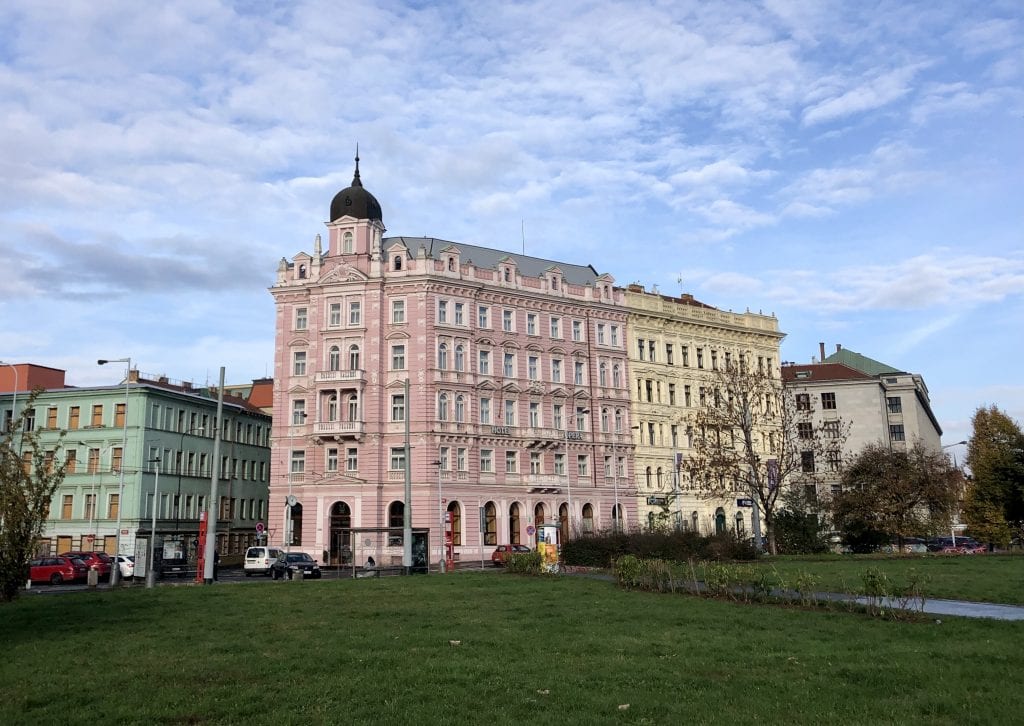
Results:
x,y
518,406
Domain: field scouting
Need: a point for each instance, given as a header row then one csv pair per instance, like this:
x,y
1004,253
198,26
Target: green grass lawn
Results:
x,y
981,578
486,648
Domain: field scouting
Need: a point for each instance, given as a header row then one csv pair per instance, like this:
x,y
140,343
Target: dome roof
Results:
x,y
355,201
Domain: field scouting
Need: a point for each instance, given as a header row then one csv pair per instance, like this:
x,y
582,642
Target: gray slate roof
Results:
x,y
487,258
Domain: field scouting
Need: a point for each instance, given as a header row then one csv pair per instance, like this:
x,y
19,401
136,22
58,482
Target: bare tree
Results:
x,y
29,475
751,438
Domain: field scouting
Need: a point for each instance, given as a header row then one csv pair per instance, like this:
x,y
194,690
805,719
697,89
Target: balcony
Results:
x,y
336,428
335,376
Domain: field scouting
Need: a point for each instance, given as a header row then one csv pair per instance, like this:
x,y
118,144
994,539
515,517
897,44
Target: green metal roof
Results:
x,y
861,363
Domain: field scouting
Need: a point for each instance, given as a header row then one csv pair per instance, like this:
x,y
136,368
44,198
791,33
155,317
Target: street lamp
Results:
x,y
440,512
115,573
568,479
95,476
151,564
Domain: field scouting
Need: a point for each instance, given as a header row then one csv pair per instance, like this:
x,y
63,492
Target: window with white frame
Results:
x,y
556,370
577,375
460,408
459,314
577,331
507,320
355,314
398,311
298,412
298,464
398,407
556,327
460,358
334,358
442,311
535,464
332,460
346,243
484,362
614,334
531,323
397,458
485,410
560,463
483,315
531,367
352,459
460,459
534,414
511,462
556,416
582,465
486,461
301,318
299,363
442,407
509,365
398,357
581,418
510,413
602,374
442,458
442,356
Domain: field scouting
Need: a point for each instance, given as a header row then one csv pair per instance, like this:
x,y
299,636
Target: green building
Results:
x,y
160,435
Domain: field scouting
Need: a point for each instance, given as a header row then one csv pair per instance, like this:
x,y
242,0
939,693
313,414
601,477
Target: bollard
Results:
x,y
93,578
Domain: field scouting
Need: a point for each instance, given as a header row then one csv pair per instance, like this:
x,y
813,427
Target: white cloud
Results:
x,y
881,90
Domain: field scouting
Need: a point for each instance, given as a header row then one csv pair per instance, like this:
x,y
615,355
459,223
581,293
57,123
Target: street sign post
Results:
x,y
744,502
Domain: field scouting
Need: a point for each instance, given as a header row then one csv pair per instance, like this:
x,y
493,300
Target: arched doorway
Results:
x,y
538,514
296,525
563,522
341,540
719,520
456,517
617,517
588,519
513,523
490,524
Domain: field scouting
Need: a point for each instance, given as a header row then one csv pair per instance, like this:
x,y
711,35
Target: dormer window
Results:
x,y
451,264
508,274
398,262
302,272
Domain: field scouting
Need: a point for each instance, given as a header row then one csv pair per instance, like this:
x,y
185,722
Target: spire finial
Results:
x,y
355,179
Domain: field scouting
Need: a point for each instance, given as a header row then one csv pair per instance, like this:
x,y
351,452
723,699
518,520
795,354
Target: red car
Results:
x,y
99,560
506,550
56,570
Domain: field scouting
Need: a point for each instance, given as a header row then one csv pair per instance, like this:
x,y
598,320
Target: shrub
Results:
x,y
602,549
527,563
799,533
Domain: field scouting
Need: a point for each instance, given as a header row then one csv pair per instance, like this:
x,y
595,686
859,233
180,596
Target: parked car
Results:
x,y
962,546
295,563
260,560
911,545
57,570
92,558
127,565
504,551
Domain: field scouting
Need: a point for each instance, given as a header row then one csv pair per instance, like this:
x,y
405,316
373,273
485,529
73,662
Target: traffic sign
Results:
x,y
259,528
531,530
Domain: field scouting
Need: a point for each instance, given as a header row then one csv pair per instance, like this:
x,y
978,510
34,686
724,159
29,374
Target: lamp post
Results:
x,y
181,443
151,563
115,573
568,479
952,529
442,566
615,482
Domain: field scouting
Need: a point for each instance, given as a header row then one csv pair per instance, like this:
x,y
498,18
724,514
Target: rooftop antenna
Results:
x,y
522,230
679,281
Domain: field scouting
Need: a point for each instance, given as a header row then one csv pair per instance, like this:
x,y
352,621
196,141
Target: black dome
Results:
x,y
355,201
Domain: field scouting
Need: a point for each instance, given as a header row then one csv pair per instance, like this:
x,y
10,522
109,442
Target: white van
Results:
x,y
259,560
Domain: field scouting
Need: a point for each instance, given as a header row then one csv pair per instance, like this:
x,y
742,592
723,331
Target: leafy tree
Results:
x,y
799,533
995,455
750,438
29,475
985,519
898,493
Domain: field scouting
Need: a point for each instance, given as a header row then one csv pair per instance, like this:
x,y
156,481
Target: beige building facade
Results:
x,y
676,346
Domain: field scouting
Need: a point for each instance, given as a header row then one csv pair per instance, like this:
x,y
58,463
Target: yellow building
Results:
x,y
676,345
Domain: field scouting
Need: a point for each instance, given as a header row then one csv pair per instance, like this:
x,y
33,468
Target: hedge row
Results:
x,y
602,549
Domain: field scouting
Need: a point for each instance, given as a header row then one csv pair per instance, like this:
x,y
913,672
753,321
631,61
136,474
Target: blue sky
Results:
x,y
855,168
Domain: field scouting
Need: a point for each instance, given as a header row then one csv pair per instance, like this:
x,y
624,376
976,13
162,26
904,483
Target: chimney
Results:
x,y
821,347
838,347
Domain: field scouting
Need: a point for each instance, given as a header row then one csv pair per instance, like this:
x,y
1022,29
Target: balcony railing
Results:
x,y
349,375
338,427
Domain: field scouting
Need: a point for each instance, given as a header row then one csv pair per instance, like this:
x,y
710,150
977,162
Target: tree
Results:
x,y
995,455
29,475
751,438
897,493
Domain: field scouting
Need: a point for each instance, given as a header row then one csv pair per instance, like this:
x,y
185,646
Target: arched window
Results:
x,y
490,524
396,523
719,521
617,517
334,359
588,519
616,376
332,407
647,474
451,264
296,524
513,523
456,516
353,407
442,407
460,408
340,545
659,478
460,358
563,523
740,528
538,514
618,420
442,356
302,272
353,357
694,521
604,420
346,243
602,374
